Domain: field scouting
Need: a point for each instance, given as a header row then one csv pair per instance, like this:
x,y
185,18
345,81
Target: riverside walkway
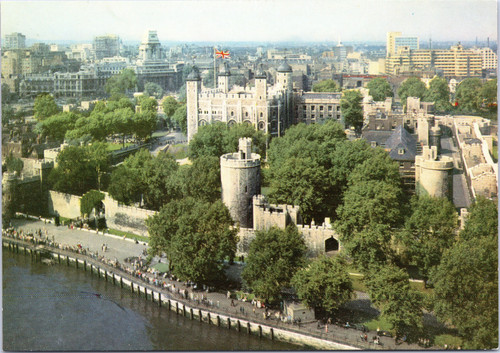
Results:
x,y
217,303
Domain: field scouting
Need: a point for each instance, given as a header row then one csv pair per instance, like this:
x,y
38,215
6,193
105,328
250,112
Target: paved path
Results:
x,y
461,194
120,249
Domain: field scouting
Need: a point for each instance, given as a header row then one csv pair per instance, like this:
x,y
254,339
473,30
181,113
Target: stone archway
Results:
x,y
331,244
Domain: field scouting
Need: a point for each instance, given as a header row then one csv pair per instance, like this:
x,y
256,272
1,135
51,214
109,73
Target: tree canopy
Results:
x,y
14,164
482,220
326,86
118,85
466,291
180,117
75,172
56,126
390,291
468,95
218,138
324,284
91,200
273,258
352,110
429,231
379,89
153,89
439,93
196,237
411,87
45,106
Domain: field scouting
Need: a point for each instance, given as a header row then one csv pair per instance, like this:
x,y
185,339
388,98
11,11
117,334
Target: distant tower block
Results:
x,y
240,178
433,174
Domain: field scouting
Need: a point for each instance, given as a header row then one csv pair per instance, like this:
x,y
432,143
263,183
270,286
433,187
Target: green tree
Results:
x,y
326,86
218,138
324,284
123,122
390,291
91,200
118,85
202,179
482,220
180,117
196,237
152,89
148,104
128,181
6,94
145,124
411,87
273,258
466,291
439,93
380,89
57,125
429,231
14,164
169,105
99,160
468,95
162,186
45,106
489,92
351,108
73,173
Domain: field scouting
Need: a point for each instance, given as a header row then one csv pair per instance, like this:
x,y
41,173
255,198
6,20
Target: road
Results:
x,y
163,141
461,193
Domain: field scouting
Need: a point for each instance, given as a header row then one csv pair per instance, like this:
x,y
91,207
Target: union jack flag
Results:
x,y
222,54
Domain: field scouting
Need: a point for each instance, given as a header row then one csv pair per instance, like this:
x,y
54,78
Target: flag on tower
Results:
x,y
222,54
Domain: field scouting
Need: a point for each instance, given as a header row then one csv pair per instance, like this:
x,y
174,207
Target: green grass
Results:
x,y
179,151
117,146
495,152
357,283
379,322
241,294
450,340
160,133
128,235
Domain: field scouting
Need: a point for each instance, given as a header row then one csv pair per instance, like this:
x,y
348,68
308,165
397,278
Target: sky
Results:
x,y
252,20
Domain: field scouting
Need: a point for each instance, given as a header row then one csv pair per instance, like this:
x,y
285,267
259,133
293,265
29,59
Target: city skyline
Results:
x,y
264,21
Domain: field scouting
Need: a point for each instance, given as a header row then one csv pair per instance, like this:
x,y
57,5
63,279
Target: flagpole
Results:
x,y
215,71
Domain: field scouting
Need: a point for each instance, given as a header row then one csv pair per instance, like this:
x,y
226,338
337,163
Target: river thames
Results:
x,y
56,308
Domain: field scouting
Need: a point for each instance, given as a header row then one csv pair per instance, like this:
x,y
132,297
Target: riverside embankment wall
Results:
x,y
158,296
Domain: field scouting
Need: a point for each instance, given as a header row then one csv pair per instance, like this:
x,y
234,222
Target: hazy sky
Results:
x,y
250,20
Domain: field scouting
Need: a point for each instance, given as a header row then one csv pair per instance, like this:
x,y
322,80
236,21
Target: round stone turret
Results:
x,y
434,174
194,75
240,179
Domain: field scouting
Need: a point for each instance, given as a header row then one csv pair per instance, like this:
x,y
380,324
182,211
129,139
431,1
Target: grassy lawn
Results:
x,y
450,340
116,146
495,152
179,151
160,133
128,235
379,322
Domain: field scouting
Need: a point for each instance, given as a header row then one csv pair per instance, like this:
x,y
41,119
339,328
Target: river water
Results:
x,y
54,308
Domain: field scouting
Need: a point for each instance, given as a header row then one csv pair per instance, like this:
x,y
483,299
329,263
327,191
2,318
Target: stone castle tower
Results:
x,y
240,177
433,174
193,89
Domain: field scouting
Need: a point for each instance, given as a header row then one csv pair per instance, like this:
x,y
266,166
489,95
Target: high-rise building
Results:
x,y
489,58
453,62
106,46
391,42
14,41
